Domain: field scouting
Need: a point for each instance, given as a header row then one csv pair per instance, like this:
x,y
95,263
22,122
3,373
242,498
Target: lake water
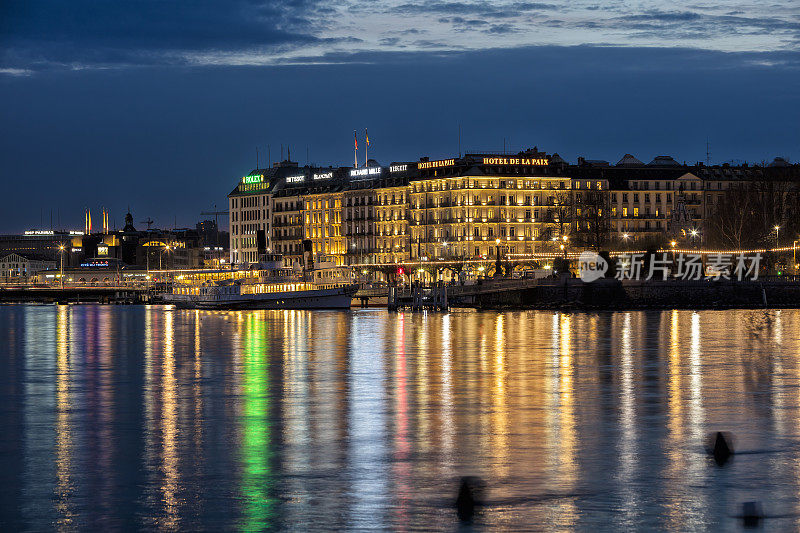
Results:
x,y
145,417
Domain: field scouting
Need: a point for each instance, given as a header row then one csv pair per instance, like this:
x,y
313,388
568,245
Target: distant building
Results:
x,y
16,265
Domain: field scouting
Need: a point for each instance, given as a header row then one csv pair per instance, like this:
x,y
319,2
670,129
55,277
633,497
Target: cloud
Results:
x,y
501,28
149,31
90,34
16,71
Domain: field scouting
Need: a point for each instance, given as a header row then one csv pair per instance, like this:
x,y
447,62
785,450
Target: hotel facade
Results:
x,y
475,207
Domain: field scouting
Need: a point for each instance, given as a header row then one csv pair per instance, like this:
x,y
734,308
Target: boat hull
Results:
x,y
338,298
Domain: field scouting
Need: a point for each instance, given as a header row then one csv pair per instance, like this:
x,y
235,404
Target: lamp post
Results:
x,y
625,238
564,246
693,234
61,253
777,233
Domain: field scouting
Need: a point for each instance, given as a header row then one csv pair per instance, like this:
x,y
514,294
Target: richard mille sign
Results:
x,y
514,161
366,172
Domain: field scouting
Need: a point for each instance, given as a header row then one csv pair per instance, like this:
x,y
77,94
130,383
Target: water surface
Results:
x,y
141,417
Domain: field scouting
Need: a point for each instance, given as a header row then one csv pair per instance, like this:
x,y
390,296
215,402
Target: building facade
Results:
x,y
480,205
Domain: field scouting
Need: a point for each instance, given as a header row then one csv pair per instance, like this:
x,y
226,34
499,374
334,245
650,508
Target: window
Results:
x,y
636,211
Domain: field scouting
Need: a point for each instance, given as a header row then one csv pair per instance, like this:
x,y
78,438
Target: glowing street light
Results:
x,y
61,252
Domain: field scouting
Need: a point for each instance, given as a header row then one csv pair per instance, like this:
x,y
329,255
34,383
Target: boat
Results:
x,y
267,284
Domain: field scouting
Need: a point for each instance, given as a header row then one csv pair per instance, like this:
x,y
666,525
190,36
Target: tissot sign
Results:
x,y
514,161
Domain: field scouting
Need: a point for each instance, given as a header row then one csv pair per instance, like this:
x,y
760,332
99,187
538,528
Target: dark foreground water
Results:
x,y
120,418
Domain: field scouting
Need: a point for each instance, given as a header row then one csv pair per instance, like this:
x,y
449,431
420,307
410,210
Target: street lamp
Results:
x,y
694,234
61,253
777,232
166,249
625,238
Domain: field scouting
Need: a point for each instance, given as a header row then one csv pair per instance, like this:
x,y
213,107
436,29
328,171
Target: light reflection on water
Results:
x,y
146,417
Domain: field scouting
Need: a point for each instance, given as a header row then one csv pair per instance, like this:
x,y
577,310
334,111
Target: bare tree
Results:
x,y
748,212
592,216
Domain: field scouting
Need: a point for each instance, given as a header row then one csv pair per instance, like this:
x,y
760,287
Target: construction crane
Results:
x,y
149,221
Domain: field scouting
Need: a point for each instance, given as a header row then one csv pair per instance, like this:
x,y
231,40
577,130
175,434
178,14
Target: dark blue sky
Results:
x,y
162,109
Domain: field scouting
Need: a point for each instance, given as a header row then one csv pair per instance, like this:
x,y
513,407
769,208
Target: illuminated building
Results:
x,y
249,207
462,208
659,200
359,204
287,225
16,265
322,222
466,207
393,240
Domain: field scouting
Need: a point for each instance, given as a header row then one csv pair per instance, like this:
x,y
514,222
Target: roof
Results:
x,y
629,160
663,161
28,257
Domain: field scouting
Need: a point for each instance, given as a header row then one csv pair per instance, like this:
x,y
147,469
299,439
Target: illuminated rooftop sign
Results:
x,y
296,179
365,172
398,168
39,232
323,176
253,178
436,164
514,161
247,187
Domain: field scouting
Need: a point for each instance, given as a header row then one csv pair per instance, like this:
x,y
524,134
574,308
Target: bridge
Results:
x,y
79,293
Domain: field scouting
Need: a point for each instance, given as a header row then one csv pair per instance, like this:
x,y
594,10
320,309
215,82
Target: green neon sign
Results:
x,y
253,178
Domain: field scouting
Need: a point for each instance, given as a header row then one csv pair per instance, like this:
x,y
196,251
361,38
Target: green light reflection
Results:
x,y
258,504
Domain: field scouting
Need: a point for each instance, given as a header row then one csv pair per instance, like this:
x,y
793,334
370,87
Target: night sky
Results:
x,y
160,105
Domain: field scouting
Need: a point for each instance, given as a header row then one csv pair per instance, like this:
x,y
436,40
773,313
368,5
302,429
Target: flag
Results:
x,y
355,139
89,214
366,135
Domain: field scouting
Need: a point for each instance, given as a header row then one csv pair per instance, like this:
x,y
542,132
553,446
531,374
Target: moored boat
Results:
x,y
266,285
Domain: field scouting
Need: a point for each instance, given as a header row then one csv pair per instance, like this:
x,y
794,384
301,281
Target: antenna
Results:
x,y
256,157
281,151
306,155
708,153
504,145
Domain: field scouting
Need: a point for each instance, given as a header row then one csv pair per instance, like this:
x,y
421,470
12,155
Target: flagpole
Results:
x,y
355,149
366,149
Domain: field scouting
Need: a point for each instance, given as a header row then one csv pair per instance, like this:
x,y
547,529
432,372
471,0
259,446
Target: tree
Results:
x,y
748,212
592,218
